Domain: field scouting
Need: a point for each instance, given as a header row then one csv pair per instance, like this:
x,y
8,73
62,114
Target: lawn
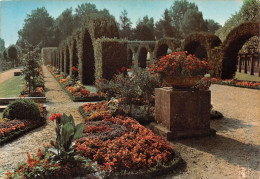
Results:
x,y
91,88
247,77
11,87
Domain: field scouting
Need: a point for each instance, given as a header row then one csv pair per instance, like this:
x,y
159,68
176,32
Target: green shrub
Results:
x,y
22,109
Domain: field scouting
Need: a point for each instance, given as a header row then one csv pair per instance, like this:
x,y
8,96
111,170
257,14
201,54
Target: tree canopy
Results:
x,y
38,28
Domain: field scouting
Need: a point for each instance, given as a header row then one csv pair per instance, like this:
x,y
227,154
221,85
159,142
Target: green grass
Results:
x,y
11,87
247,77
91,88
1,114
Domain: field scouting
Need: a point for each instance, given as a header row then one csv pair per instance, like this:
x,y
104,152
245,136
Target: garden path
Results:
x,y
234,153
57,102
8,74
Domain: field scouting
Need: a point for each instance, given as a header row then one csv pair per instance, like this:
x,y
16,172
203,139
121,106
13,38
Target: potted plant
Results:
x,y
180,70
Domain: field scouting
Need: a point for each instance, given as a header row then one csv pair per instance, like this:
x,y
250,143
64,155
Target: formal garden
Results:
x,y
104,104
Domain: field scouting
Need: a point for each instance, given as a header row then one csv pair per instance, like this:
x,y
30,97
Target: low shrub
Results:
x,y
22,109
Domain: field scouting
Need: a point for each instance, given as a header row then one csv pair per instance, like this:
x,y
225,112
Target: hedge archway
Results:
x,y
200,44
130,56
162,50
233,43
87,61
142,57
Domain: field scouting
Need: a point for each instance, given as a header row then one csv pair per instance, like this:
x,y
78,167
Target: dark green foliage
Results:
x,y
65,24
212,25
193,22
110,55
248,12
144,29
125,25
2,45
22,109
38,28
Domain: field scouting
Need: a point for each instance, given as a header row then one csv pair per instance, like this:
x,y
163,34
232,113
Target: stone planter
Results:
x,y
182,113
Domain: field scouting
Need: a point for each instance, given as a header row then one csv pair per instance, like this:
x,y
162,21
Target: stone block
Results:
x,y
183,112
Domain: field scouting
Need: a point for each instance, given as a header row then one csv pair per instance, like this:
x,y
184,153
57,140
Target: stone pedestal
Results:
x,y
182,113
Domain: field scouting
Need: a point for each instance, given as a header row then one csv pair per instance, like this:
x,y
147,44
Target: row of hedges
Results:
x,y
77,92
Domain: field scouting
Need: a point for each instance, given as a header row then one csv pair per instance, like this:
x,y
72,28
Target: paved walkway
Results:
x,y
8,74
58,102
234,153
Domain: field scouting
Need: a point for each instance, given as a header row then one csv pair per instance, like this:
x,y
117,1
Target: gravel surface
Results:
x,y
233,153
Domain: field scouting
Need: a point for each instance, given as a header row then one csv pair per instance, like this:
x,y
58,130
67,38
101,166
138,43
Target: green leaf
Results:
x,y
64,119
78,131
66,133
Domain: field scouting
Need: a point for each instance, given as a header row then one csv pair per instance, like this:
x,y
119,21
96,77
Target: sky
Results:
x,y
13,12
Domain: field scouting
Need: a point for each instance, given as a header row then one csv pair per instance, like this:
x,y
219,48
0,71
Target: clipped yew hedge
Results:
x,y
110,56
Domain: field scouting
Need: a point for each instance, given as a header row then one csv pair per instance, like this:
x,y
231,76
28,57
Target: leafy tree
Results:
x,y
125,25
2,45
177,12
85,9
159,29
212,25
193,22
144,29
38,28
143,32
248,12
65,24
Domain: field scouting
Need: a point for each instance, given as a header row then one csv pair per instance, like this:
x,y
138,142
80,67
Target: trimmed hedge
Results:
x,y
171,43
110,56
233,43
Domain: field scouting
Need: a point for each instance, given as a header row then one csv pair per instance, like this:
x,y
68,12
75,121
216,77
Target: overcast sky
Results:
x,y
13,13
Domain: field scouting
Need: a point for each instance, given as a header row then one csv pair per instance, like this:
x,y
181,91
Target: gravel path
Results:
x,y
8,74
233,153
57,102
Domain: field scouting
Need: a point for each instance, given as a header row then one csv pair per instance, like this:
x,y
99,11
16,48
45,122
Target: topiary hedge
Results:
x,y
22,109
110,56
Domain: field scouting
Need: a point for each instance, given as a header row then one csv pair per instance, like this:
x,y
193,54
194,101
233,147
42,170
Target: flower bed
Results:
x,y
76,91
136,151
12,129
236,83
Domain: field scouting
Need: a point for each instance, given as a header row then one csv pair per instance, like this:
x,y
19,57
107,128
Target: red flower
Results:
x,y
74,68
123,69
55,116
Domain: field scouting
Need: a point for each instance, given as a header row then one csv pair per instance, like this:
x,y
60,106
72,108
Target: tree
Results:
x,y
144,29
159,29
65,24
212,25
177,12
38,27
248,12
2,45
193,22
125,25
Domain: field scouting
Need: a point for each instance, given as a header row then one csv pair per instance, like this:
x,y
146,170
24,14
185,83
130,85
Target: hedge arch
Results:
x,y
73,53
130,56
142,57
163,45
234,42
200,44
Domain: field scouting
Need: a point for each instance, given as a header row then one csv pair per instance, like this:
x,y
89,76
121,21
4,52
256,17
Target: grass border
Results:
x,y
22,132
87,99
